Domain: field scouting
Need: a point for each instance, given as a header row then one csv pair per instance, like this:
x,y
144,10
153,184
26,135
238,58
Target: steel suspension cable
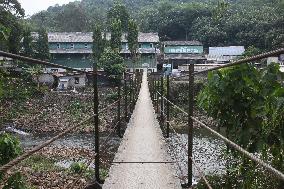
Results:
x,y
234,145
201,173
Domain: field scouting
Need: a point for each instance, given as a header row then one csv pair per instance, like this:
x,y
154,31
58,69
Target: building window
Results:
x,y
58,45
77,80
151,45
86,45
140,45
72,45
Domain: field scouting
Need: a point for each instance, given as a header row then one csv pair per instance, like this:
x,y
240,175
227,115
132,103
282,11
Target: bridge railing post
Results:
x,y
162,102
132,92
157,95
168,106
151,81
125,98
96,124
190,121
119,108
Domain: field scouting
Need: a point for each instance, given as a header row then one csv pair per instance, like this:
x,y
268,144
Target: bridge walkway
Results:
x,y
143,142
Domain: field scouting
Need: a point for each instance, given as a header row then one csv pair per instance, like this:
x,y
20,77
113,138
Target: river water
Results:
x,y
207,153
207,150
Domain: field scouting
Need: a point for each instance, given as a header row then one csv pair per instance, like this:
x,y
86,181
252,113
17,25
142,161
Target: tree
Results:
x,y
132,39
73,18
42,46
112,62
28,48
14,39
10,29
98,44
12,6
116,33
119,12
4,33
249,104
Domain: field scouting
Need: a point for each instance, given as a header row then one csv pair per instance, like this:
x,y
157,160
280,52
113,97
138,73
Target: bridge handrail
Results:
x,y
241,61
201,173
268,167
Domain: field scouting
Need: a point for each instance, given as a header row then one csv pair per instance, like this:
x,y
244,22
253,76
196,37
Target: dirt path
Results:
x,y
142,142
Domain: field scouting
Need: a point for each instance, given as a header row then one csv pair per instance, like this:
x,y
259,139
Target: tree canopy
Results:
x,y
217,22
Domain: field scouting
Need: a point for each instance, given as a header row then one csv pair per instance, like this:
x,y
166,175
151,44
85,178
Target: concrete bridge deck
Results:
x,y
143,142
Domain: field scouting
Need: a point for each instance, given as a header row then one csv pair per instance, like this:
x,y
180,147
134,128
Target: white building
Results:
x,y
72,82
225,54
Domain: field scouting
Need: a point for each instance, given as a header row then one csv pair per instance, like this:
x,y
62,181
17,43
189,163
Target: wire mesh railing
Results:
x,y
179,107
64,134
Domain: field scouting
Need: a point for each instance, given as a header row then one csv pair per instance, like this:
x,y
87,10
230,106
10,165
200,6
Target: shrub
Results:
x,y
9,148
78,167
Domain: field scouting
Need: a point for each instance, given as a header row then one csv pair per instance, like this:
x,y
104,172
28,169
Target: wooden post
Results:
x,y
157,95
118,109
190,121
96,122
168,106
162,102
125,99
132,93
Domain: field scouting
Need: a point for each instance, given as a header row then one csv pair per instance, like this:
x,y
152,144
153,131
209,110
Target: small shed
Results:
x,y
72,82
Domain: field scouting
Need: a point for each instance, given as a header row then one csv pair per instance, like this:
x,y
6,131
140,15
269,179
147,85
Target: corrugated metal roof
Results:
x,y
87,37
89,51
183,43
227,51
142,51
71,51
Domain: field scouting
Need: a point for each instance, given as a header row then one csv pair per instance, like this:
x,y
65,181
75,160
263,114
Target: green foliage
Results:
x,y
242,24
112,62
132,38
14,39
76,16
217,22
16,181
249,104
119,12
4,33
28,47
10,28
16,87
42,46
112,97
39,163
9,148
220,10
78,167
251,51
12,6
98,43
116,33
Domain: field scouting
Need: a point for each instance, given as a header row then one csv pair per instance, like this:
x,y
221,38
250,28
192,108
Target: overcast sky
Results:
x,y
34,6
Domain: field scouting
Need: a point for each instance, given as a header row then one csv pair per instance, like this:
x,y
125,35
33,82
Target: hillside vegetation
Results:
x,y
235,22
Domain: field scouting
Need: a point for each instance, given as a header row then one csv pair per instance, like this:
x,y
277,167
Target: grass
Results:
x,y
40,163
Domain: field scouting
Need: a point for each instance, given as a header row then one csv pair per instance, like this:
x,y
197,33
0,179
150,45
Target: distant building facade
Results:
x,y
74,49
178,53
225,54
